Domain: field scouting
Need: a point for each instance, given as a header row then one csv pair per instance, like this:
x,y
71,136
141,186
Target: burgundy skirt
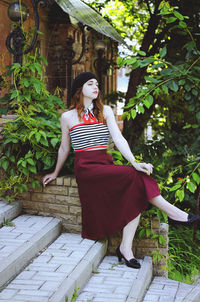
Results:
x,y
111,195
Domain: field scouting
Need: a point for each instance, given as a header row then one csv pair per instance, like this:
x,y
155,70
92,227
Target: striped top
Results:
x,y
87,136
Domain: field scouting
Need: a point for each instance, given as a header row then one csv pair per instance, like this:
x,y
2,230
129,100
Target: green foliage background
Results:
x,y
166,97
31,141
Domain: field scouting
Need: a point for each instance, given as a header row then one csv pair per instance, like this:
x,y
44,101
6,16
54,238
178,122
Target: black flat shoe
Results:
x,y
191,219
130,263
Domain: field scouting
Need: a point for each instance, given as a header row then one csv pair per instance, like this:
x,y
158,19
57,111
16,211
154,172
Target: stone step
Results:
x,y
57,272
9,210
23,241
168,290
116,282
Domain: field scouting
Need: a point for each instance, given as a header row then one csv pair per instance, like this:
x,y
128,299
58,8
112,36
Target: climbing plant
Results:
x,y
30,142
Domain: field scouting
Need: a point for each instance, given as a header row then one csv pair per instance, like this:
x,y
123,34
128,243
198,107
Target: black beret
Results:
x,y
80,80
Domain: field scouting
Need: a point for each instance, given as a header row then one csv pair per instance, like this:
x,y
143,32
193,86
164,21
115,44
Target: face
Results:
x,y
91,89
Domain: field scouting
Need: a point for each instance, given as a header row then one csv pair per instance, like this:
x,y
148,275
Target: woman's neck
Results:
x,y
87,102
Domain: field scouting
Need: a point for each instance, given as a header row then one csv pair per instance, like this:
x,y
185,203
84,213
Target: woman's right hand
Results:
x,y
48,178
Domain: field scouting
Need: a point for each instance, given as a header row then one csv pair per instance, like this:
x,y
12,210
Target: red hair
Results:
x,y
78,104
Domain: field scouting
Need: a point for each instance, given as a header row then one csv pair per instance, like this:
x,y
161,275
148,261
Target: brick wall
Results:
x,y
60,199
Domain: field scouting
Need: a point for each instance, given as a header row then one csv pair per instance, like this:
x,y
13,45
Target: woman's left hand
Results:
x,y
143,167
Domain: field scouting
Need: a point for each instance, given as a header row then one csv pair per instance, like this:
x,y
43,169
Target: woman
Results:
x,y
112,196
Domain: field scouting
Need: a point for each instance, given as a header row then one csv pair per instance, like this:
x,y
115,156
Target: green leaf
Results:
x,y
12,159
43,134
180,194
5,165
187,126
171,19
116,154
141,233
37,136
25,82
194,92
147,61
196,177
191,186
141,53
173,86
37,87
161,240
54,141
32,169
198,116
38,155
135,65
181,82
28,97
32,68
124,115
14,94
128,116
151,80
39,68
43,60
140,108
44,142
163,52
165,89
30,161
130,61
187,96
148,101
23,163
187,87
129,105
178,15
148,232
133,113
120,61
175,187
182,24
11,139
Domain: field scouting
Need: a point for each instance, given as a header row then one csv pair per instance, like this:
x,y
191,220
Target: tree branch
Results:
x,y
148,6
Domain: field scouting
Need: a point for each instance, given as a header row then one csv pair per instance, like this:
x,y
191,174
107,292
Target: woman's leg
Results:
x,y
172,211
127,238
130,229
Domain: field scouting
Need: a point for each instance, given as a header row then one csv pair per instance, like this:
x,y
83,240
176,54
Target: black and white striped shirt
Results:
x,y
88,136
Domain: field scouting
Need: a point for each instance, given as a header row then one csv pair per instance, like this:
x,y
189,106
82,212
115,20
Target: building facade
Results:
x,y
57,27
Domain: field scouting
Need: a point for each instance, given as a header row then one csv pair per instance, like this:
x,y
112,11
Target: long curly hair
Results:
x,y
78,104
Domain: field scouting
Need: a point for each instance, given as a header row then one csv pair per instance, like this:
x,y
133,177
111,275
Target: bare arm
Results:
x,y
121,143
63,152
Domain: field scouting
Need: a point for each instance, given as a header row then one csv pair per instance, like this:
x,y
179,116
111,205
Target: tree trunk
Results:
x,y
134,128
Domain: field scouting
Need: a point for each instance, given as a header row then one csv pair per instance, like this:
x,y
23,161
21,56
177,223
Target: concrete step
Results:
x,y
57,272
168,290
9,210
23,241
116,282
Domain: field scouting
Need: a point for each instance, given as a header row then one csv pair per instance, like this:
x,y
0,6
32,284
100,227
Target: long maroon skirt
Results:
x,y
111,195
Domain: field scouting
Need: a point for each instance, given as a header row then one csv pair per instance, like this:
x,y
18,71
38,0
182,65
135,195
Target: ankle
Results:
x,y
126,251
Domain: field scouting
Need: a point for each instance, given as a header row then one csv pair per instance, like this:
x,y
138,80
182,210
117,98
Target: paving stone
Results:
x,y
7,294
112,283
44,277
27,298
23,241
151,298
37,293
167,290
9,210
